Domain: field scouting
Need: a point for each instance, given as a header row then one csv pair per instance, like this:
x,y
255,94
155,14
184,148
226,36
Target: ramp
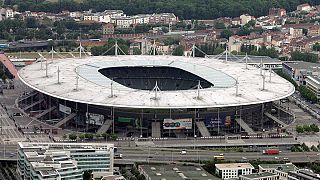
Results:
x,y
203,129
33,104
105,126
45,112
27,96
244,126
275,119
9,65
65,120
156,131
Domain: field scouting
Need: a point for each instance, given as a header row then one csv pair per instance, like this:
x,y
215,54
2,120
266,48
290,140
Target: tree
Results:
x,y
87,175
88,136
299,129
178,51
82,136
306,128
307,93
72,136
113,136
136,51
135,171
141,177
316,47
314,128
226,33
220,26
307,57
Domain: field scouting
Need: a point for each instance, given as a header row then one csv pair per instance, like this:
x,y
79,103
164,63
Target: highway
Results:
x,y
138,154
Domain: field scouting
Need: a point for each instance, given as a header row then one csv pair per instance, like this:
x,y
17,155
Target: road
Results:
x,y
136,154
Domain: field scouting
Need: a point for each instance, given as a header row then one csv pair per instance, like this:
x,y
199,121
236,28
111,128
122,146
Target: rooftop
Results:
x,y
281,167
303,65
176,172
259,175
234,166
94,88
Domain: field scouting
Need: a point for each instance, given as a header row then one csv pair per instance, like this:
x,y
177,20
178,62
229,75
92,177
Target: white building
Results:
x,y
245,18
260,176
280,169
233,170
104,17
64,160
304,7
9,13
313,83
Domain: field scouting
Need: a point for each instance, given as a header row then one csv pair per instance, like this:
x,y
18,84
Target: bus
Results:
x,y
218,157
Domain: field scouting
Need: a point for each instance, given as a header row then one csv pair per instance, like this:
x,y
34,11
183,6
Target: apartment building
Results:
x,y
64,160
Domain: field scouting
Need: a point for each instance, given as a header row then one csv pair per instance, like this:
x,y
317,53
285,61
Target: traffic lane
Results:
x,y
206,152
236,156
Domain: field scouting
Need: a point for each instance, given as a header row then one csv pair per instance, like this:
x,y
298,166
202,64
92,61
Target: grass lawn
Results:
x,y
33,55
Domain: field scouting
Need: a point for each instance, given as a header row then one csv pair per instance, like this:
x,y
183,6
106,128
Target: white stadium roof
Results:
x,y
94,88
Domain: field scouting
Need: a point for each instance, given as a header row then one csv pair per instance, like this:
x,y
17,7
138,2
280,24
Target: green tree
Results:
x,y
307,57
306,128
82,136
136,51
226,33
220,26
141,177
316,47
72,136
88,136
299,129
314,128
307,93
178,51
87,175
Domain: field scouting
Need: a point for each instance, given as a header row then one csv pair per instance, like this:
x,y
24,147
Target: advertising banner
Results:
x,y
64,109
96,119
223,121
177,123
213,122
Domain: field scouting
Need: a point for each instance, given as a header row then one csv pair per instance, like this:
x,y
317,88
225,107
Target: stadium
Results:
x,y
155,96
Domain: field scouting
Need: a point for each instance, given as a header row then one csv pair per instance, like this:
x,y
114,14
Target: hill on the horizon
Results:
x,y
184,9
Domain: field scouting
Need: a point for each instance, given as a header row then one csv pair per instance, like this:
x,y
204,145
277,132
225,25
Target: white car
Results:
x,y
244,158
276,157
183,152
285,158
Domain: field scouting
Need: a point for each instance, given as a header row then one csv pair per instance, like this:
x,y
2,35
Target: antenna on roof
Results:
x,y
193,50
58,75
198,90
263,82
52,51
154,47
270,71
237,87
46,67
80,49
246,60
116,48
111,90
77,82
156,89
261,66
226,51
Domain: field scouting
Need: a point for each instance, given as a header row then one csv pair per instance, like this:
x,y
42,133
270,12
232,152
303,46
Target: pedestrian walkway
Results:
x,y
203,129
9,65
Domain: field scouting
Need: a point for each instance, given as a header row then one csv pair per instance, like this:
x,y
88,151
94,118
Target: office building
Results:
x,y
233,170
64,161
